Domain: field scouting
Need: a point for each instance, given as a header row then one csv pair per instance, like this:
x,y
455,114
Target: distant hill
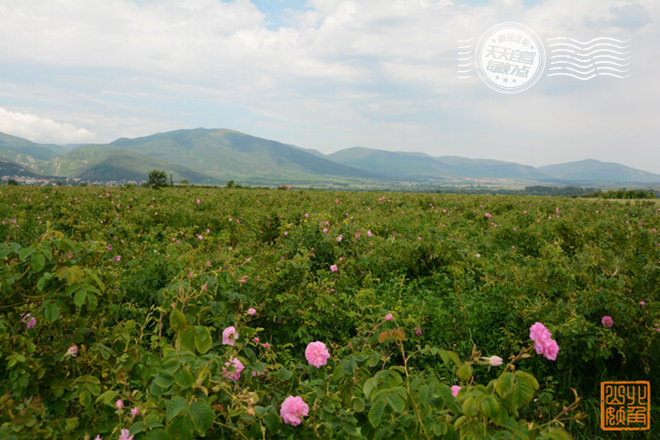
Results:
x,y
25,147
595,171
214,156
14,169
227,154
105,162
423,166
390,163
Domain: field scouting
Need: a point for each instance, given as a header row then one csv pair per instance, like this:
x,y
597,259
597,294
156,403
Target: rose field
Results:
x,y
181,313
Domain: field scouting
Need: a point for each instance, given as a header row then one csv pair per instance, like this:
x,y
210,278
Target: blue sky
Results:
x,y
324,74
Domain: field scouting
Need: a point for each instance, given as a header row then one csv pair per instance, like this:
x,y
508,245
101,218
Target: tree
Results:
x,y
157,179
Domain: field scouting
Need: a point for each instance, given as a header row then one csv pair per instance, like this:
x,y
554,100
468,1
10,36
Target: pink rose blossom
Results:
x,y
119,404
198,201
388,317
31,323
339,238
544,344
251,312
454,390
642,303
334,268
266,345
607,321
238,367
125,435
293,409
229,336
135,411
317,354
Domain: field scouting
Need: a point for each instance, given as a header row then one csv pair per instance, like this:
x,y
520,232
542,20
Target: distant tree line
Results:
x,y
623,194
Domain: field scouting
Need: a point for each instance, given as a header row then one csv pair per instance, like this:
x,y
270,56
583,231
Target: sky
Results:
x,y
325,74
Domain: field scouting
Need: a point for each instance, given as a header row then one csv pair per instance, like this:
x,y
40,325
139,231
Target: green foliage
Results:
x,y
157,179
122,274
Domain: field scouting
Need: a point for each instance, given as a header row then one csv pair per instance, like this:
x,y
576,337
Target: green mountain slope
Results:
x,y
228,154
105,162
22,146
421,166
591,170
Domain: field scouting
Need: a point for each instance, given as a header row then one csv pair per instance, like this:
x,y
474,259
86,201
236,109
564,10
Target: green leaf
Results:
x,y
426,394
358,404
85,398
38,261
51,312
202,416
177,320
174,406
157,434
164,380
203,340
25,253
79,297
349,366
186,339
526,386
490,406
396,402
284,374
184,378
107,397
369,386
469,407
464,372
376,412
504,384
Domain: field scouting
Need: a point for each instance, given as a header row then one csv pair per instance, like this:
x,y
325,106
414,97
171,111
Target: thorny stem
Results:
x,y
415,407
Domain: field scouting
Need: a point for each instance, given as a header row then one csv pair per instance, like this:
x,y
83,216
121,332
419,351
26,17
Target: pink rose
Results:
x,y
293,409
317,354
454,390
388,317
119,404
334,268
237,366
251,312
607,321
229,336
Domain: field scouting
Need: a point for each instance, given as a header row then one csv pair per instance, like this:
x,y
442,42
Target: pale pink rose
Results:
x,y
369,233
339,238
251,312
317,354
135,411
119,404
494,361
237,366
293,409
334,268
125,435
454,390
229,336
388,317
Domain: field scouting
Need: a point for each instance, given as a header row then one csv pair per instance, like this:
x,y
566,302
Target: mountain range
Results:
x,y
214,156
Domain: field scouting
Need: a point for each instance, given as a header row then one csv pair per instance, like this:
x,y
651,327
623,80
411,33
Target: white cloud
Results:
x,y
339,73
39,129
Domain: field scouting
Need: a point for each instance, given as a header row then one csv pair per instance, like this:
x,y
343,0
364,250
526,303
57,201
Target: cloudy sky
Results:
x,y
325,74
